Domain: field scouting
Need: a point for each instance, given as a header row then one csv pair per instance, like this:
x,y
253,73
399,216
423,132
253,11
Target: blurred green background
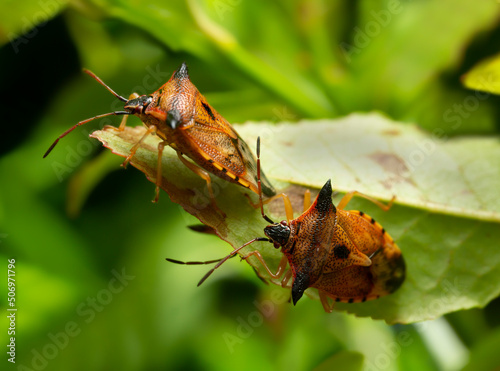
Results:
x,y
93,289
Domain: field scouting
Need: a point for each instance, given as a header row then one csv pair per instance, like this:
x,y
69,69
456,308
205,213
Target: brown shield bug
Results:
x,y
346,255
183,119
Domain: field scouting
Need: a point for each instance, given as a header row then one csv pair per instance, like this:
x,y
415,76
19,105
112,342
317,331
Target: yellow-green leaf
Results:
x,y
485,76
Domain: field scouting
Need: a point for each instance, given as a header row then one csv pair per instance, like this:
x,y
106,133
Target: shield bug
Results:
x,y
346,255
183,119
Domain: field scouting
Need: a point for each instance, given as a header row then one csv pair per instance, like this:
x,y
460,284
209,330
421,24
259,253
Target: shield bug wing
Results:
x,y
349,285
353,283
360,229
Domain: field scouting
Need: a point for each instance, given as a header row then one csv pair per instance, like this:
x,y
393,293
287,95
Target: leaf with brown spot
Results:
x,y
446,218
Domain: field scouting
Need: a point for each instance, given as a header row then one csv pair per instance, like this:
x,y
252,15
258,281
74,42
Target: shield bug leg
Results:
x,y
281,266
324,301
233,253
123,123
288,207
218,261
161,147
349,195
205,176
256,205
286,278
286,201
307,199
133,150
194,262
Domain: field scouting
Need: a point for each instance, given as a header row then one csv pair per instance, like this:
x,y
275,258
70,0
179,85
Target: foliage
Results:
x,y
254,60
439,188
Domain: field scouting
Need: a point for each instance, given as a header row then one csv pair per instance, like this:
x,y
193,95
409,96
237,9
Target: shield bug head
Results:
x,y
278,233
183,119
138,105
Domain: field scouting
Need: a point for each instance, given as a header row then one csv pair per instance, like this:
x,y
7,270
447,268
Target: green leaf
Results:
x,y
86,178
484,355
163,22
295,89
445,219
485,76
95,45
24,18
409,61
206,39
343,360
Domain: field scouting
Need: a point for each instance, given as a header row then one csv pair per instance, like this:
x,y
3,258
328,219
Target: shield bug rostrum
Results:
x,y
346,255
182,118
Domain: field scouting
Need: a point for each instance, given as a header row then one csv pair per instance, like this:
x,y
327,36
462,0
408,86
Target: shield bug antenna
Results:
x,y
259,184
116,113
218,261
98,79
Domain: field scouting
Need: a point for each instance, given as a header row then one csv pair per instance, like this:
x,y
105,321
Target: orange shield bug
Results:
x,y
346,255
183,119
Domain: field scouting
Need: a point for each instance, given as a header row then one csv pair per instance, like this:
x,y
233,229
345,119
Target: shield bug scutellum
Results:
x,y
181,116
346,255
